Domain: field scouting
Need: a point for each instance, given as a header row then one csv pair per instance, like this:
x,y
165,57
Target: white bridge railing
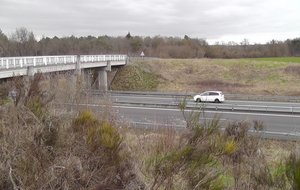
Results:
x,y
20,62
97,58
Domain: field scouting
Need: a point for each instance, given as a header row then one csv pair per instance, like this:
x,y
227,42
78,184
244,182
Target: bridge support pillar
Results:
x,y
102,77
77,66
30,71
87,74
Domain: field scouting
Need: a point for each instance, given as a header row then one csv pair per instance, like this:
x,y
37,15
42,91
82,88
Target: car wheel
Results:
x,y
217,101
198,100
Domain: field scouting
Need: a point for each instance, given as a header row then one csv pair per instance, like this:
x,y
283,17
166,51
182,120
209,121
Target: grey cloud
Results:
x,y
212,19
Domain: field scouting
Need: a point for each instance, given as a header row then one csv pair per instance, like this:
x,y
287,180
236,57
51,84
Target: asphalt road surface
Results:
x,y
174,117
228,104
152,111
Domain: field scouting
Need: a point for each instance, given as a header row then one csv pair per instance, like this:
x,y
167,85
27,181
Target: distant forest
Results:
x,y
23,43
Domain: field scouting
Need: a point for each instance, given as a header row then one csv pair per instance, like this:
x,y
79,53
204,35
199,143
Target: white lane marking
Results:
x,y
133,97
256,106
157,124
229,102
297,134
204,111
260,102
226,101
234,113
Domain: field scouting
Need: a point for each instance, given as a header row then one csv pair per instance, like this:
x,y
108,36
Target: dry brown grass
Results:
x,y
229,75
255,154
293,69
45,148
41,148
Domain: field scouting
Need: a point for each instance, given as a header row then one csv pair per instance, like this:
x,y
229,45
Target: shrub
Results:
x,y
84,120
104,135
193,159
293,170
42,151
230,147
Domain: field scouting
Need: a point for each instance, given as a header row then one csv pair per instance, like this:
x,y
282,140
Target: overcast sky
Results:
x,y
214,20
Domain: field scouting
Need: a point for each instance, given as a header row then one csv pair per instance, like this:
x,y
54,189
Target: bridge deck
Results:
x,y
14,66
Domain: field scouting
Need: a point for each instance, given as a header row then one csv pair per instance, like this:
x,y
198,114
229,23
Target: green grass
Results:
x,y
279,59
4,101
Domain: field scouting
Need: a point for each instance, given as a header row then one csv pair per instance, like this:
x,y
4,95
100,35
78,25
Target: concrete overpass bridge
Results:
x,y
28,66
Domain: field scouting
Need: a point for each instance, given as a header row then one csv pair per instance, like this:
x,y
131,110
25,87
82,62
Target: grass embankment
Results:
x,y
268,76
133,77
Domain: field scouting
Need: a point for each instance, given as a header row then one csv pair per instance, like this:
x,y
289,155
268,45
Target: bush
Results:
x,y
293,170
194,158
41,151
84,120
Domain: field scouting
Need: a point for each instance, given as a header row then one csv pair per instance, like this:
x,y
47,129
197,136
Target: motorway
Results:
x,y
262,106
279,118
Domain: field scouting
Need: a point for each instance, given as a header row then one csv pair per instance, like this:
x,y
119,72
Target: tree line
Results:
x,y
23,42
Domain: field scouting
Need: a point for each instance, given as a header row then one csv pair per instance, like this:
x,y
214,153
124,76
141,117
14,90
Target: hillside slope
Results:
x,y
245,76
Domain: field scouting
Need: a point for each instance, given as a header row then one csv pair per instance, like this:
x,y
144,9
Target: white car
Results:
x,y
210,96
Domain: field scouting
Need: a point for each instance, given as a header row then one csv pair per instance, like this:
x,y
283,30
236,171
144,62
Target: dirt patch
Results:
x,y
293,93
221,85
292,69
218,84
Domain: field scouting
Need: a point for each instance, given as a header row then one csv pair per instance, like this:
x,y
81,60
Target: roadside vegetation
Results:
x,y
238,76
50,139
45,144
